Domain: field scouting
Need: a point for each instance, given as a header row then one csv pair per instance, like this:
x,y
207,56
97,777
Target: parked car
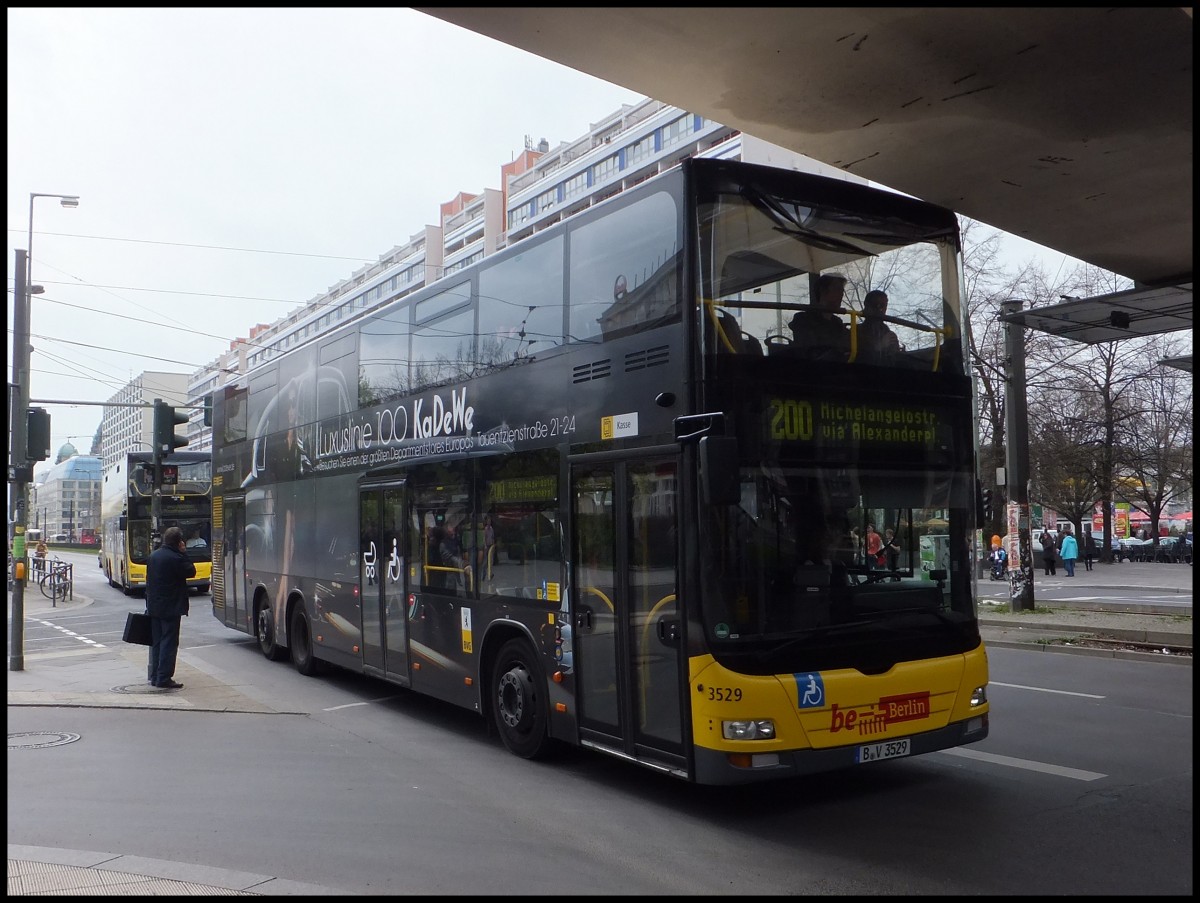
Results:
x,y
1134,549
1114,544
1169,548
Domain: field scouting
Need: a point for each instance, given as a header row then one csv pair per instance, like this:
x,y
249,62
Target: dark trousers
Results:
x,y
164,647
1048,561
1087,560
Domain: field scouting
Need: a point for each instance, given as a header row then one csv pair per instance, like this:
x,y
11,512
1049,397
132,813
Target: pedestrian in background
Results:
x,y
891,549
39,558
1089,550
1069,550
1049,552
167,573
875,556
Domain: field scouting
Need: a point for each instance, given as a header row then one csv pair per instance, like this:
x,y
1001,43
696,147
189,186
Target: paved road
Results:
x,y
117,680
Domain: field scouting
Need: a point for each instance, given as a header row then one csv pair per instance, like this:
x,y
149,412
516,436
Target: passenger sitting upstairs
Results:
x,y
877,344
818,331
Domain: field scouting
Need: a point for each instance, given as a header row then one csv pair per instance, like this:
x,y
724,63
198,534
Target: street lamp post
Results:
x,y
67,200
20,467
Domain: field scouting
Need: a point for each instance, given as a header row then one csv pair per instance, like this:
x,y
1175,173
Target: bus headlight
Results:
x,y
748,730
979,696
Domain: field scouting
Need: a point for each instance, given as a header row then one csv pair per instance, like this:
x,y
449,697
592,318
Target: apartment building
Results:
x,y
539,188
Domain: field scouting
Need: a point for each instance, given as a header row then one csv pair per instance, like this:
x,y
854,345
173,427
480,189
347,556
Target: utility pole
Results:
x,y
1016,427
156,498
20,469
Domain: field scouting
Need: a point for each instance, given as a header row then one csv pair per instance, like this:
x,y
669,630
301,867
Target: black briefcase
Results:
x,y
137,628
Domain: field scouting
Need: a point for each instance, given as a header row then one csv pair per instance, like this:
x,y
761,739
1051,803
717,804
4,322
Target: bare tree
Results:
x,y
989,282
1087,385
1155,443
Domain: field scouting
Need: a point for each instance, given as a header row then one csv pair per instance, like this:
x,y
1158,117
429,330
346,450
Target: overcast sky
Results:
x,y
200,140
233,164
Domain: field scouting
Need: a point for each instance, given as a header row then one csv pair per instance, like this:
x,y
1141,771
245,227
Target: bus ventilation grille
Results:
x,y
649,357
595,370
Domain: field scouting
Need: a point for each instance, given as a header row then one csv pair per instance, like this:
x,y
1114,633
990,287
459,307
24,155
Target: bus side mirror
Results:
x,y
720,479
121,522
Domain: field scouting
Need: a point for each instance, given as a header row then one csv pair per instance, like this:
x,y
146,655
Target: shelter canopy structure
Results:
x,y
1133,313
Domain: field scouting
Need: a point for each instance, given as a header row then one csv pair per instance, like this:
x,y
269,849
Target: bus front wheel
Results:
x,y
264,630
519,704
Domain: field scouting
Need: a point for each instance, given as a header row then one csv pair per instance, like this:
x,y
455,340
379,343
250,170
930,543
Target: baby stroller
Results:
x,y
998,558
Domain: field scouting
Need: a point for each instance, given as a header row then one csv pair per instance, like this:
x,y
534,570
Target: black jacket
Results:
x,y
167,573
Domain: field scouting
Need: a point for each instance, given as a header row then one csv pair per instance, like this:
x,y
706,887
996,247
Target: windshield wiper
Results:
x,y
811,633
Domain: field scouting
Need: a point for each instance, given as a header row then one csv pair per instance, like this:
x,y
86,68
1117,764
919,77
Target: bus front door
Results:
x,y
626,630
382,581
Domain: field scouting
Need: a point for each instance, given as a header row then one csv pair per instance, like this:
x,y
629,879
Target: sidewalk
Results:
x,y
1088,627
115,677
119,681
47,871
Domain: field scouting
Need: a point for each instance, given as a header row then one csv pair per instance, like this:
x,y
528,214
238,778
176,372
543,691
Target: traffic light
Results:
x,y
37,425
208,401
166,440
985,507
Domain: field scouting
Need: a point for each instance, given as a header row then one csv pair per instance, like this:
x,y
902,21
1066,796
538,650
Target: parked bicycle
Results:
x,y
57,580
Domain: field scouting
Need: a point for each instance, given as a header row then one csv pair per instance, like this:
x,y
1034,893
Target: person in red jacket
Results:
x,y
875,556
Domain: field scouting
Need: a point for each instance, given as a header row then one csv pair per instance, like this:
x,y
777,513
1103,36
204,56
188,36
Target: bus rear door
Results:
x,y
382,580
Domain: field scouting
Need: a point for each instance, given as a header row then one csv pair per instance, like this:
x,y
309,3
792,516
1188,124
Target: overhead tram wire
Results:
x,y
149,357
316,307
181,244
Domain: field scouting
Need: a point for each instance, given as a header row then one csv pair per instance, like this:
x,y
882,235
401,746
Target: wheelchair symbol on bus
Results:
x,y
810,690
394,563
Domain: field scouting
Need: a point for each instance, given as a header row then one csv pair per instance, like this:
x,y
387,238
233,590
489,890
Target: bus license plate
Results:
x,y
873,752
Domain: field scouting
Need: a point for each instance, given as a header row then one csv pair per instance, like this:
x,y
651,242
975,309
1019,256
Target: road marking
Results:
x,y
351,705
1075,774
996,683
83,639
69,653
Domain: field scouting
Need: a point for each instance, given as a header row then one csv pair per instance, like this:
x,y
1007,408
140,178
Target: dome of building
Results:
x,y
67,451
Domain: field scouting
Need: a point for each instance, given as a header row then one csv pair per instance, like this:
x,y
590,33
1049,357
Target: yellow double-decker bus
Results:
x,y
126,504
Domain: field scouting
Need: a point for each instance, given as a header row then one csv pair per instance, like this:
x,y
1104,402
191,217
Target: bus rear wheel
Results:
x,y
300,642
519,704
264,631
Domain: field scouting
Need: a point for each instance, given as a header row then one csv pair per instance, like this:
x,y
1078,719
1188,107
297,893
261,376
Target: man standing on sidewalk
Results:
x,y
167,573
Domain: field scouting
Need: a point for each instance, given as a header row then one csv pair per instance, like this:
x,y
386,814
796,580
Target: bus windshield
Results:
x,y
812,548
848,547
894,299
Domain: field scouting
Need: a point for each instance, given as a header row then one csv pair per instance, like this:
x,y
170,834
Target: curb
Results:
x,y
1123,654
1156,637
